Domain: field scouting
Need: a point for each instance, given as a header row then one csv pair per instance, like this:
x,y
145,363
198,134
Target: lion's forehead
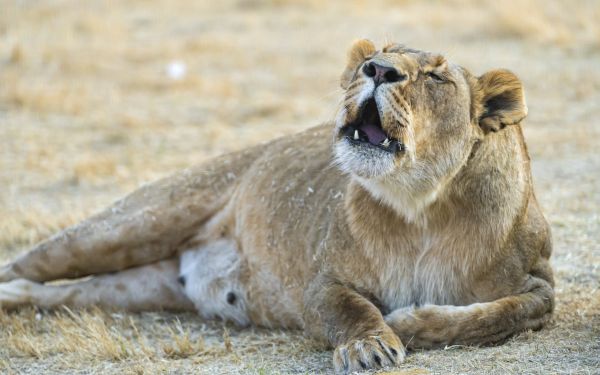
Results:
x,y
416,61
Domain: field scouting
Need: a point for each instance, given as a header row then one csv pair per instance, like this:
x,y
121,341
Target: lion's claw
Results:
x,y
371,352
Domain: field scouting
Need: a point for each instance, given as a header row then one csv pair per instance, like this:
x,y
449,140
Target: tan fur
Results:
x,y
360,51
442,243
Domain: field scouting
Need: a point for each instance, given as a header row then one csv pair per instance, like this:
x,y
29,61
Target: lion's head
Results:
x,y
409,120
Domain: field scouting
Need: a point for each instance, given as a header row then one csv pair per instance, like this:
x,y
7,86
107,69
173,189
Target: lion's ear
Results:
x,y
501,100
360,50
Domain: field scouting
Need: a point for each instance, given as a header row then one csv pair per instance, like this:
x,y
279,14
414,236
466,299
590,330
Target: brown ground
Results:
x,y
87,113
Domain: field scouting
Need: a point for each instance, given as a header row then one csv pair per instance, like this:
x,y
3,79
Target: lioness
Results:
x,y
428,233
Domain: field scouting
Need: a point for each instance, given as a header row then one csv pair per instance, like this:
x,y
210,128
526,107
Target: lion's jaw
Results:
x,y
367,146
387,166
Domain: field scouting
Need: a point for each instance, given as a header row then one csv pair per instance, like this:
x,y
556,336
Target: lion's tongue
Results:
x,y
374,132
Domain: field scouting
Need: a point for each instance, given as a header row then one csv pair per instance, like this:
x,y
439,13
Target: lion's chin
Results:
x,y
363,160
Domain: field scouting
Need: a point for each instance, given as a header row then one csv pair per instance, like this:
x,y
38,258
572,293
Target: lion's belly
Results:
x,y
273,301
223,283
211,277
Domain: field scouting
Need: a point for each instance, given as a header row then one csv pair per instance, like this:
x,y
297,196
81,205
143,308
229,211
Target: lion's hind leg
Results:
x,y
150,287
147,226
485,323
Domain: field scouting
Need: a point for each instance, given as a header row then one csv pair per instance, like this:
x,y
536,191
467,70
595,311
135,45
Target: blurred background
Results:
x,y
97,97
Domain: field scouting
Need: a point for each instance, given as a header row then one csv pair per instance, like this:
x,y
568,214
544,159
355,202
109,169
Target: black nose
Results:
x,y
382,74
181,280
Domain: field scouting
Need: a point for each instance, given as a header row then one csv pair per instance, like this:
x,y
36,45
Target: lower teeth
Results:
x,y
385,143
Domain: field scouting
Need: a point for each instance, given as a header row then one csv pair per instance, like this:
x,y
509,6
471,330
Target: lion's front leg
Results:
x,y
485,323
353,325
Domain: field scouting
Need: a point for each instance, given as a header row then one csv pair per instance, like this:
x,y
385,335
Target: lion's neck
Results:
x,y
409,204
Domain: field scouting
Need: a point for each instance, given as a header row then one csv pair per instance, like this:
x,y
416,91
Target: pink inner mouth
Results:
x,y
366,130
375,134
371,124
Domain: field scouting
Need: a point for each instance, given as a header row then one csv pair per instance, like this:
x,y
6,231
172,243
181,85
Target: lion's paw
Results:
x,y
371,352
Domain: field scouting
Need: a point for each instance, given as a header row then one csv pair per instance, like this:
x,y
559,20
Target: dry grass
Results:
x,y
546,21
88,112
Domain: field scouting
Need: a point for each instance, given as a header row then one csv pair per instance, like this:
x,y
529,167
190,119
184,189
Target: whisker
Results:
x,y
400,100
353,91
354,84
398,114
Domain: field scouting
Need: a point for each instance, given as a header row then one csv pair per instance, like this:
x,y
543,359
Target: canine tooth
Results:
x,y
356,135
386,143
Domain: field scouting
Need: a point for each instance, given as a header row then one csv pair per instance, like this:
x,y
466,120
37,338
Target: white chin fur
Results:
x,y
395,186
366,162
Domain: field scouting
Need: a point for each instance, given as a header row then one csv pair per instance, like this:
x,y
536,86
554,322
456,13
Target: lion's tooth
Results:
x,y
386,143
356,135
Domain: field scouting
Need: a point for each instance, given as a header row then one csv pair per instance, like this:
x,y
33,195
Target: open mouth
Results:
x,y
366,130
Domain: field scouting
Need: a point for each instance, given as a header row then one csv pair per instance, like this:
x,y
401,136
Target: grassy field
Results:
x,y
97,97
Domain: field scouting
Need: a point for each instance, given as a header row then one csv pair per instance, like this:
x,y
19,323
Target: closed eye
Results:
x,y
436,77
